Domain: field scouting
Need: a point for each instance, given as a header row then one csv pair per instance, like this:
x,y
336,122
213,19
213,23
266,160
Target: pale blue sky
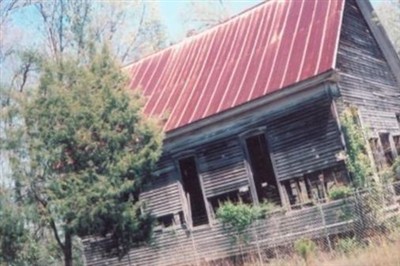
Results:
x,y
171,10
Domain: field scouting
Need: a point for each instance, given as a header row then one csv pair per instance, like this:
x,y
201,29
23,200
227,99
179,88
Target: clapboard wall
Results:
x,y
305,139
366,79
221,166
162,195
302,138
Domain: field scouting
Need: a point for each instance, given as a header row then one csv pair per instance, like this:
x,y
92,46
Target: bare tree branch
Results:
x,y
130,45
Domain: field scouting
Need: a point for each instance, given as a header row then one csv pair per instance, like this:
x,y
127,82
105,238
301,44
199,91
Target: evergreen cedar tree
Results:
x,y
90,151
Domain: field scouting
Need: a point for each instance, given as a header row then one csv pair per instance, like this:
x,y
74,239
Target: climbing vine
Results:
x,y
357,159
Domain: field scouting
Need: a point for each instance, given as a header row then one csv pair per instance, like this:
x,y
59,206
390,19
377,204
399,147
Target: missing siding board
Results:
x,y
193,190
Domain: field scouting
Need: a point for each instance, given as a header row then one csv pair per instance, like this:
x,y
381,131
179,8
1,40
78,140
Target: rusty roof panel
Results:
x,y
270,47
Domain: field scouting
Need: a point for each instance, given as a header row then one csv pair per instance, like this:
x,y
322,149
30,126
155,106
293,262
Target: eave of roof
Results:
x,y
270,47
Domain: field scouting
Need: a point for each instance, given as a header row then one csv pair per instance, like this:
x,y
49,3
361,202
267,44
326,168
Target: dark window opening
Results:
x,y
233,196
193,191
261,167
398,118
165,220
387,150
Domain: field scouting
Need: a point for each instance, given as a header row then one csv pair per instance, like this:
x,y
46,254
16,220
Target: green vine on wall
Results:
x,y
357,160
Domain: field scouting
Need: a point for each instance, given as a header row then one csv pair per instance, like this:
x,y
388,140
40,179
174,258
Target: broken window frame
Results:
x,y
299,191
377,152
396,142
236,195
176,221
387,146
296,193
161,221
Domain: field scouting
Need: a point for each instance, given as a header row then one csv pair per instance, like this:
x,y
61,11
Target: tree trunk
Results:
x,y
68,249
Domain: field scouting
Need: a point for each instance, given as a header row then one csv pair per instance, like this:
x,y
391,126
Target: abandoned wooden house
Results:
x,y
253,109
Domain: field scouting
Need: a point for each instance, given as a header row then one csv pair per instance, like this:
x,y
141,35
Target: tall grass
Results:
x,y
383,251
378,252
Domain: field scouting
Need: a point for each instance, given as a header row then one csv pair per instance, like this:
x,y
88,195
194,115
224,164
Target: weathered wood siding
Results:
x,y
163,199
304,140
221,166
162,196
366,79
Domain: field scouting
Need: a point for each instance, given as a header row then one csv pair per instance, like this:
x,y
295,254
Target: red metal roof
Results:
x,y
270,47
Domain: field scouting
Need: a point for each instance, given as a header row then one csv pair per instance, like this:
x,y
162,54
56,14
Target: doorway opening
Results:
x,y
261,167
193,191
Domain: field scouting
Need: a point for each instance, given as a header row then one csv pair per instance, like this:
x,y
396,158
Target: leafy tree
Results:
x,y
85,148
12,230
65,29
22,242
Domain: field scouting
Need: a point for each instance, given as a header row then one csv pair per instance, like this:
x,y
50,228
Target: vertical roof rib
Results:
x,y
272,46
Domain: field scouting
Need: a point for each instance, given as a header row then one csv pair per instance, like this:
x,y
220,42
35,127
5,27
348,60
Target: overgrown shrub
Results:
x,y
237,217
340,192
347,245
304,248
266,208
